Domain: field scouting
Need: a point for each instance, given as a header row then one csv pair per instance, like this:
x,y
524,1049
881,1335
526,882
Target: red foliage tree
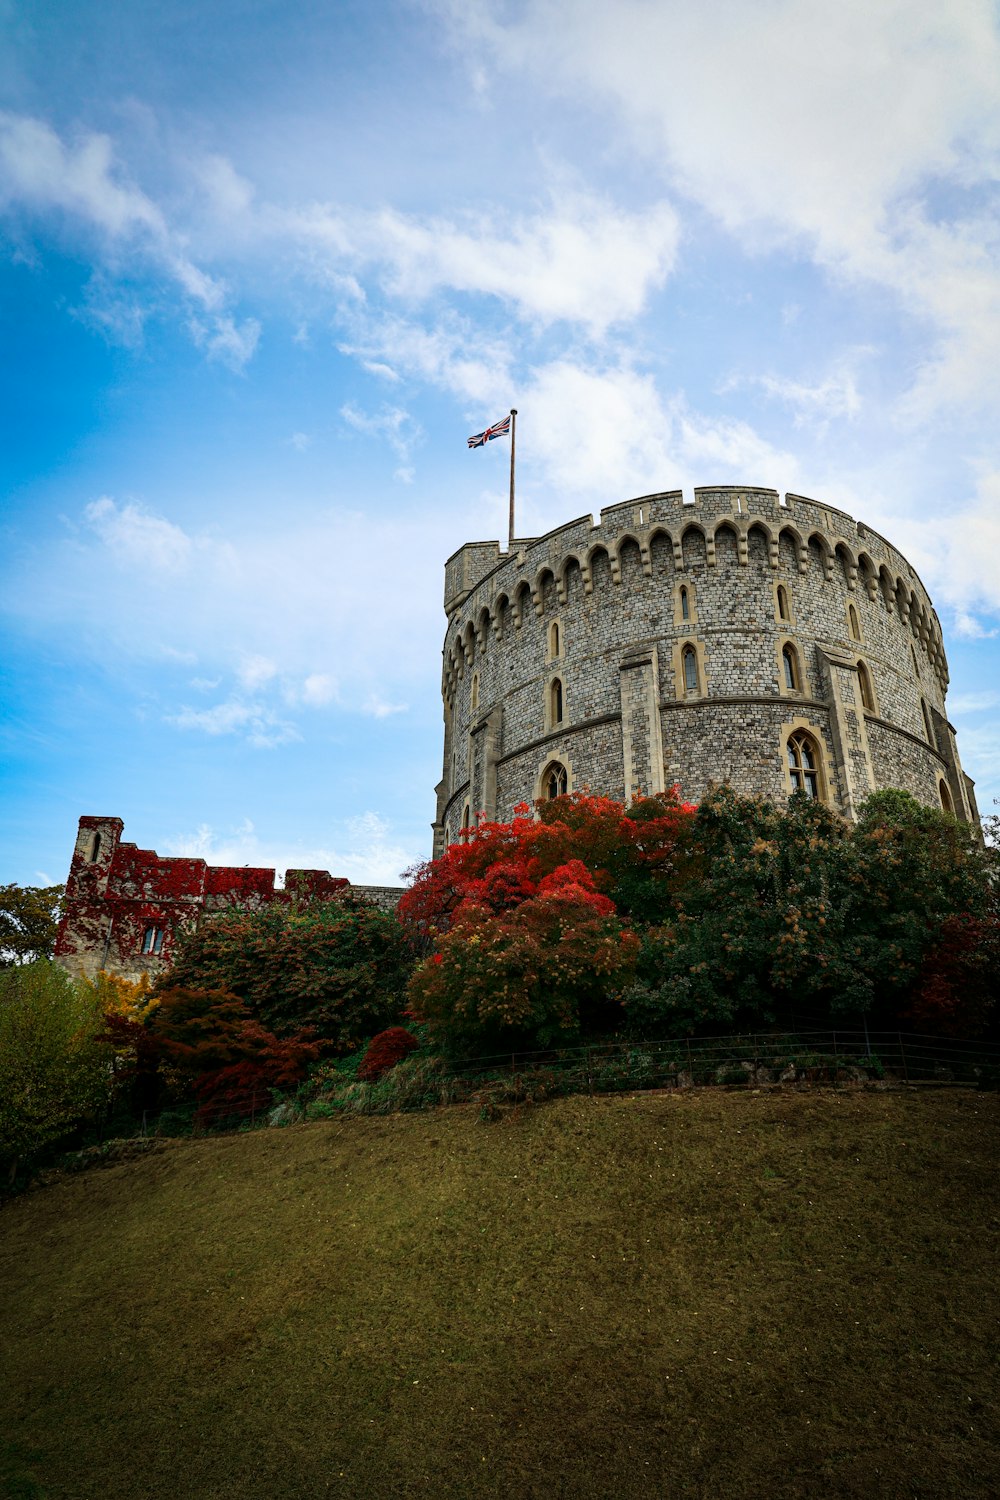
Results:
x,y
630,854
385,1051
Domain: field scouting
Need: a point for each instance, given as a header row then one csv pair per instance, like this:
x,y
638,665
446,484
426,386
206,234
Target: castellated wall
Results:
x,y
125,907
735,638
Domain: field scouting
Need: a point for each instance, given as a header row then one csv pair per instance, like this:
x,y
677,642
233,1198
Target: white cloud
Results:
x,y
364,849
836,395
255,671
136,537
377,707
40,172
253,720
231,343
392,424
300,441
825,129
319,689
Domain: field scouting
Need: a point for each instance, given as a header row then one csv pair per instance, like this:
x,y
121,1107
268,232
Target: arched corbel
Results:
x,y
772,552
537,599
647,559
710,550
678,554
803,552
587,576
742,550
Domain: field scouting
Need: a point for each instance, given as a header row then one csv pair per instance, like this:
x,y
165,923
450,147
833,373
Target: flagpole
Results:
x,y
513,434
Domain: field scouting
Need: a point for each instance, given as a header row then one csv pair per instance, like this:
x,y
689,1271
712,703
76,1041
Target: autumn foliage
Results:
x,y
385,1051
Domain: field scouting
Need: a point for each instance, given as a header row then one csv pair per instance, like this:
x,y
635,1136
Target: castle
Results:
x,y
125,907
775,645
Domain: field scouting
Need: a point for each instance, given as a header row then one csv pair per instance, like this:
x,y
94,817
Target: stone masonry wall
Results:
x,y
116,894
867,658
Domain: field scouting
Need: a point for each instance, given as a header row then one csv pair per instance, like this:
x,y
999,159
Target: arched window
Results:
x,y
803,763
95,849
865,684
475,690
555,780
852,620
466,816
690,660
783,613
685,603
927,722
152,940
945,795
556,701
554,639
790,667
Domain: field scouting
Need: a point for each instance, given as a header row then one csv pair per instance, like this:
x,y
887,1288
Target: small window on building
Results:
x,y
690,659
466,816
945,795
685,603
913,654
865,684
783,612
554,641
152,940
554,781
852,620
803,763
928,730
790,666
556,701
475,690
95,849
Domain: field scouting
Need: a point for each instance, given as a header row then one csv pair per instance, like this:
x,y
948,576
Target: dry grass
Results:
x,y
775,1294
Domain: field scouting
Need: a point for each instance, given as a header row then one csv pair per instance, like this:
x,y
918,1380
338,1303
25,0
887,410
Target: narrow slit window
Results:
x,y
475,691
783,603
95,849
685,603
791,668
852,616
554,640
690,670
928,729
865,684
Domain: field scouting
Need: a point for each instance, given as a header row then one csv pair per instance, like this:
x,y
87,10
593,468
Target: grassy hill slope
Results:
x,y
706,1294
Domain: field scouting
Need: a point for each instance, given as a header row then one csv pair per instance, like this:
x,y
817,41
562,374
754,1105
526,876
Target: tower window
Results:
x,y
783,613
803,763
685,603
946,802
555,781
790,666
152,940
555,641
475,691
852,620
556,701
928,730
690,659
865,684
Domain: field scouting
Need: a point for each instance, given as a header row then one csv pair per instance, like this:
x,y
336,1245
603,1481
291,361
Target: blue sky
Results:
x,y
264,267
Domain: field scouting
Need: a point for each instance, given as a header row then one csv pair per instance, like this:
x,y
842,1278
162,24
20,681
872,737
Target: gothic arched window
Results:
x,y
475,691
685,603
556,701
865,684
95,849
804,764
555,780
852,620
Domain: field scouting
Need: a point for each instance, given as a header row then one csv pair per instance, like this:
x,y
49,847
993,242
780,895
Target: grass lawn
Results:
x,y
700,1294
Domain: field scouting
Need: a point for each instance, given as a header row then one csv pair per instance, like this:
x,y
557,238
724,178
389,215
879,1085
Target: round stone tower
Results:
x,y
771,644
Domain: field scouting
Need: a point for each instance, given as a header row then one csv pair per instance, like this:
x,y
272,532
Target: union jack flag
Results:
x,y
499,429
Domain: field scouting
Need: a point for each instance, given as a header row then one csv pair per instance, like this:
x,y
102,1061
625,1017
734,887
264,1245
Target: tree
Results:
x,y
340,967
543,971
29,921
55,1070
